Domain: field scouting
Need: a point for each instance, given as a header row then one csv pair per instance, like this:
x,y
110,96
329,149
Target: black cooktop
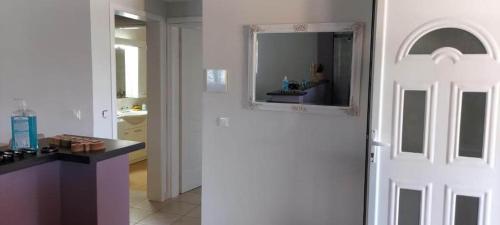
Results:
x,y
11,161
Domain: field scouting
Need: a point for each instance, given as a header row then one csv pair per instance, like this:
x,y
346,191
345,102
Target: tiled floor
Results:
x,y
183,210
139,176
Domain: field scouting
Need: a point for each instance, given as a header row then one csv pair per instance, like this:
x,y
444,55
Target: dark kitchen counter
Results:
x,y
114,148
288,93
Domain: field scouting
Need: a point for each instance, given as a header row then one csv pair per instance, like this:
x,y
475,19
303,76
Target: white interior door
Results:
x,y
435,109
191,107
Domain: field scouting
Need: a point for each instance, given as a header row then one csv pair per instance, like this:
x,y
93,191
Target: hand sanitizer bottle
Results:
x,y
24,130
284,84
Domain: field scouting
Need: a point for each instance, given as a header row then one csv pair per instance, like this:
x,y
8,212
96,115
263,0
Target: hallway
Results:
x,y
183,210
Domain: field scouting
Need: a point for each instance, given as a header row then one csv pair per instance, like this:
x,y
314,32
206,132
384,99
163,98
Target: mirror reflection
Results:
x,y
130,56
304,68
127,71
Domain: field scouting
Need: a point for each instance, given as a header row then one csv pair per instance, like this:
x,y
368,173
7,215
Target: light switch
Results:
x,y
77,114
216,80
223,122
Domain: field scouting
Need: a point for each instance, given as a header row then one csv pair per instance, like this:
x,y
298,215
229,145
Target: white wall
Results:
x,y
271,167
184,9
138,34
101,55
48,48
101,68
45,58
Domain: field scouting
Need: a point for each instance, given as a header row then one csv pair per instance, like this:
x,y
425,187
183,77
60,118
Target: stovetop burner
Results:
x,y
49,149
7,156
11,155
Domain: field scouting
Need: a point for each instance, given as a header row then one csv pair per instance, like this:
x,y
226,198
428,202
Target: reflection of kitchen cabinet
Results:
x,y
134,132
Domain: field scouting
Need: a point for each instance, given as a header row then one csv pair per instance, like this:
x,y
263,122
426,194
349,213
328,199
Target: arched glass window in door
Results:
x,y
459,39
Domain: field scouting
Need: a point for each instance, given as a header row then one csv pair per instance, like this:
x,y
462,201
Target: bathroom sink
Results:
x,y
133,117
132,113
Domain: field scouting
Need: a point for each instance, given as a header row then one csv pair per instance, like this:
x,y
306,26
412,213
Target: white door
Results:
x,y
191,107
435,109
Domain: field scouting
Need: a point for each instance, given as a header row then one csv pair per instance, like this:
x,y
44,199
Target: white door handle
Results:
x,y
374,143
103,113
379,144
374,151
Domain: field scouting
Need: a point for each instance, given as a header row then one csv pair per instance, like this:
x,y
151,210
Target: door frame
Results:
x,y
157,160
374,144
174,125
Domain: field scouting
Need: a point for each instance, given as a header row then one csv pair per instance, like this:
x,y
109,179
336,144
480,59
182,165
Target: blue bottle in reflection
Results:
x,y
284,84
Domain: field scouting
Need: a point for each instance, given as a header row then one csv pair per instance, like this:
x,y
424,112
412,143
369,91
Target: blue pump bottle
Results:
x,y
24,128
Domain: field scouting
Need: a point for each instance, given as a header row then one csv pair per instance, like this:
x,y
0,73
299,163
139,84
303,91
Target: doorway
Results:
x,y
131,93
138,53
186,72
130,76
184,90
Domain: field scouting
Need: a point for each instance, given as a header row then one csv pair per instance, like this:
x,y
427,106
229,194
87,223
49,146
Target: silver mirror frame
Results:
x,y
357,28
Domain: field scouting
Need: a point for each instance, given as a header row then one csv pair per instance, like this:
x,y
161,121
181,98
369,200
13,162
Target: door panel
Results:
x,y
409,210
191,94
436,85
413,121
472,122
466,210
467,206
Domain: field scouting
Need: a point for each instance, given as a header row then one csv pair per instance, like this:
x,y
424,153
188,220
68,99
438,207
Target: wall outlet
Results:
x,y
223,122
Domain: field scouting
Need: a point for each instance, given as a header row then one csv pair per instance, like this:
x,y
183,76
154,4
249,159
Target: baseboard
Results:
x,y
137,160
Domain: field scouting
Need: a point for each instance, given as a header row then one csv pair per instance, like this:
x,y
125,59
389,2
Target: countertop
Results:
x,y
299,92
128,113
113,149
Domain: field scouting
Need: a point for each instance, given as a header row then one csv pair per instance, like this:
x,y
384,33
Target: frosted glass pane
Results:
x,y
413,121
472,124
409,207
466,210
462,40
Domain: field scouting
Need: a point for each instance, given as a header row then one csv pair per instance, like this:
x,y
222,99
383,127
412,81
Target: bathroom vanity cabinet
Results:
x,y
129,130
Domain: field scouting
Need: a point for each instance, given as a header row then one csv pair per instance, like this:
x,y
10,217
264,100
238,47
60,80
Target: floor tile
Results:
x,y
137,215
195,213
138,176
175,207
159,218
196,191
187,221
137,197
190,198
148,205
183,210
